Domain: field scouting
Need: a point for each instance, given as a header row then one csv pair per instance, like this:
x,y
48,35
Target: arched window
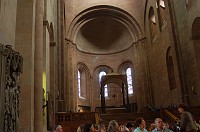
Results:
x,y
170,69
161,12
196,41
82,83
102,73
129,80
82,78
79,84
152,23
127,68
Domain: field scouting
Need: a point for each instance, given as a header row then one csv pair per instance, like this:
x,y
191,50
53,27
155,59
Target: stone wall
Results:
x,y
149,57
8,22
185,18
25,44
157,48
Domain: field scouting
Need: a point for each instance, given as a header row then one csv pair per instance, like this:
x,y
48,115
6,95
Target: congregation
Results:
x,y
185,124
138,126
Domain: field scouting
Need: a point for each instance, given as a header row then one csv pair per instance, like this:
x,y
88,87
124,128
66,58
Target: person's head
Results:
x,y
93,128
159,123
151,127
101,128
165,125
129,126
58,128
112,126
89,128
80,128
182,107
140,122
123,128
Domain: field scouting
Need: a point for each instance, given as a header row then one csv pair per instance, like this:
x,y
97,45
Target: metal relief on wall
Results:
x,y
11,69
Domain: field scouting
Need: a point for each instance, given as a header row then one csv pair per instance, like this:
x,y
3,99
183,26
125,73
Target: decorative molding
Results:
x,y
69,42
51,32
46,23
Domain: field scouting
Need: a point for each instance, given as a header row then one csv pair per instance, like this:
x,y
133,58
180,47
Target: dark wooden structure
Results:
x,y
71,120
118,79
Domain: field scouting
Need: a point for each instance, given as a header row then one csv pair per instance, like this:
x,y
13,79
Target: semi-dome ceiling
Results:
x,y
103,35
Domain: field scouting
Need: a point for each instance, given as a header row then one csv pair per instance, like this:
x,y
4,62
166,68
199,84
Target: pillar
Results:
x,y
38,63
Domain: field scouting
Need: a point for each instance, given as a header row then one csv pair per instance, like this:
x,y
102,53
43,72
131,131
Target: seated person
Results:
x,y
141,125
159,126
58,128
101,128
89,128
130,127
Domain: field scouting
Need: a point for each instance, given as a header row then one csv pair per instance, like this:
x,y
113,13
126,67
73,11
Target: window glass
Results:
x,y
102,73
129,81
79,84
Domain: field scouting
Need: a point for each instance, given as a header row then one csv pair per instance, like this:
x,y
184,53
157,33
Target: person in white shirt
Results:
x,y
159,126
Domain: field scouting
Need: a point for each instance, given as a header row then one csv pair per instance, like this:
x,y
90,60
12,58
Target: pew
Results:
x,y
71,120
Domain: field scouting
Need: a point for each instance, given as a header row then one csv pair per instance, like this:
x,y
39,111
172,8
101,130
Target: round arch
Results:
x,y
94,12
85,79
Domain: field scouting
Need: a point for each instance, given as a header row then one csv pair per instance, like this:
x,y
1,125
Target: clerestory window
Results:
x,y
79,84
129,80
102,73
82,83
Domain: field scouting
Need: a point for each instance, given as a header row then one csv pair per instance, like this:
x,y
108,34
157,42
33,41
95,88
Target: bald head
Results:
x,y
159,123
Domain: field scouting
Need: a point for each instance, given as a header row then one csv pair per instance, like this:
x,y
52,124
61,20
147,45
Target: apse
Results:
x,y
103,35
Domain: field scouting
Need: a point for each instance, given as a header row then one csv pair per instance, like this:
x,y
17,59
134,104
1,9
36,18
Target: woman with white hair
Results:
x,y
58,128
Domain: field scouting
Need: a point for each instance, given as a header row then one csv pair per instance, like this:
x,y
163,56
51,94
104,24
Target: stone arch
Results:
x,y
118,14
170,69
95,76
123,66
152,23
161,5
82,66
84,80
146,12
196,28
196,41
103,67
122,70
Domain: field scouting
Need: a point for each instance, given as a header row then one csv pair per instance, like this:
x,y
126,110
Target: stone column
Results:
x,y
71,100
60,63
178,51
38,67
24,43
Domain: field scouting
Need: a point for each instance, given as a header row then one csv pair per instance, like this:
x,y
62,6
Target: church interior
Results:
x,y
73,61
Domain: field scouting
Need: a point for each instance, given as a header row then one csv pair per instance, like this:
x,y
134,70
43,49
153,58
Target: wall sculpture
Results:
x,y
11,65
